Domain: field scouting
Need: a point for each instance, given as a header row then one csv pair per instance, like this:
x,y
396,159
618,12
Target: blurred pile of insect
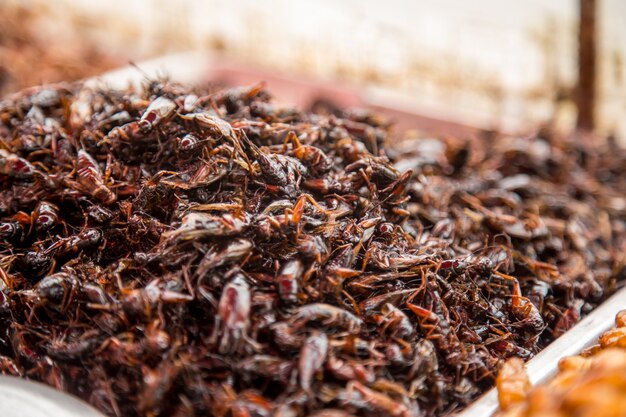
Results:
x,y
177,251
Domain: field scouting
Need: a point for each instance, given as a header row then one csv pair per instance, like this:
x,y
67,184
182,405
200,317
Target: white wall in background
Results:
x,y
611,111
497,63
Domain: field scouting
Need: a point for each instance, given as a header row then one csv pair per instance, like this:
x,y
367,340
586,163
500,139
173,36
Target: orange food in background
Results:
x,y
592,384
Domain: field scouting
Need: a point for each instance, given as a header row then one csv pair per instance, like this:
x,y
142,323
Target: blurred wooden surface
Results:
x,y
587,39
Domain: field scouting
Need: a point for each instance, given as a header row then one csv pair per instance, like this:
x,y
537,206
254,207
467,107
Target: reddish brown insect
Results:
x,y
90,177
15,166
159,111
232,315
182,251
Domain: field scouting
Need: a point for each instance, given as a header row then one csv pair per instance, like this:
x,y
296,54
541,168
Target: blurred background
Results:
x,y
484,64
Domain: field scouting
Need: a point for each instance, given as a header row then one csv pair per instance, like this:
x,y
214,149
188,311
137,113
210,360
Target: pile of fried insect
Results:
x,y
175,251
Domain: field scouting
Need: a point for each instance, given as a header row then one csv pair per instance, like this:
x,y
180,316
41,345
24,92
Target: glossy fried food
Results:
x,y
587,385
